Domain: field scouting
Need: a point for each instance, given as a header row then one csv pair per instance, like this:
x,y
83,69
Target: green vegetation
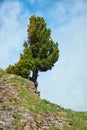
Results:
x,y
17,124
70,120
40,51
78,120
2,72
22,85
53,128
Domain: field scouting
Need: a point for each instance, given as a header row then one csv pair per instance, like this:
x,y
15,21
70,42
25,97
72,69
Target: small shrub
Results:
x,y
2,72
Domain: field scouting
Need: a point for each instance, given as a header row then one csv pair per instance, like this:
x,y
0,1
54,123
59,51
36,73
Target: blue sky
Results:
x,y
66,83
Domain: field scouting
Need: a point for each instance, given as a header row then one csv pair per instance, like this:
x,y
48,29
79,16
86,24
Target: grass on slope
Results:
x,y
2,72
78,120
29,100
75,120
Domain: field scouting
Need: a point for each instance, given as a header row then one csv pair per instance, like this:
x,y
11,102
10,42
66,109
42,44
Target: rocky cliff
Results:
x,y
22,109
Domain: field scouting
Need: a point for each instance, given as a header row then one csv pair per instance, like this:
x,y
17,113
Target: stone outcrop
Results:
x,y
11,111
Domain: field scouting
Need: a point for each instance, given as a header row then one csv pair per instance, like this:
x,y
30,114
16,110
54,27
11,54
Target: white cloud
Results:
x,y
12,32
67,83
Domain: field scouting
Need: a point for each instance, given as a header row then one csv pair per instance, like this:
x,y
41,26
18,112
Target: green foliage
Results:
x,y
22,68
17,124
44,51
40,51
53,128
2,72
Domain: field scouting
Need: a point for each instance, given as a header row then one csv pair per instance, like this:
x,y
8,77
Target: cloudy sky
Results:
x,y
66,83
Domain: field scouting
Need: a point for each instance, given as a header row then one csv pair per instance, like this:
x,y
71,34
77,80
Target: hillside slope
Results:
x,y
22,109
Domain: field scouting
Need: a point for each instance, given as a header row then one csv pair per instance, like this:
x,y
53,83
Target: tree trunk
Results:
x,y
34,77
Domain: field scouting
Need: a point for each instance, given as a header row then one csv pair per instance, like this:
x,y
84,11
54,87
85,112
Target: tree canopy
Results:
x,y
40,51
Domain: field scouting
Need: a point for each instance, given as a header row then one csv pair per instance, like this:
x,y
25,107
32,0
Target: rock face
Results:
x,y
15,110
